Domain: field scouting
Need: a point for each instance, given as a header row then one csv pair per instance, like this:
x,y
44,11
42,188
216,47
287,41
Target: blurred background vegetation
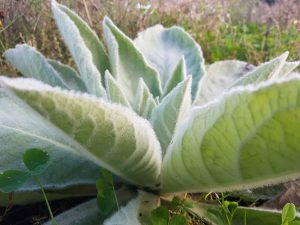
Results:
x,y
249,30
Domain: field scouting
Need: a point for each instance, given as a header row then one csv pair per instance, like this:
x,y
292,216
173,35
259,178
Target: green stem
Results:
x,y
46,200
115,195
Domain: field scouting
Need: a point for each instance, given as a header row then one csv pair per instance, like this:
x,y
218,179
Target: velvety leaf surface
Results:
x,y
110,135
85,47
171,111
220,76
247,138
68,75
264,71
178,75
114,90
144,101
128,63
32,63
21,128
163,48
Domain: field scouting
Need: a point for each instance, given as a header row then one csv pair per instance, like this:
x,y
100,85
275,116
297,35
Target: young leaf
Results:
x,y
171,111
160,216
110,135
220,76
288,213
68,75
163,48
215,148
263,72
287,68
33,64
12,180
114,90
128,63
84,46
142,99
36,161
178,75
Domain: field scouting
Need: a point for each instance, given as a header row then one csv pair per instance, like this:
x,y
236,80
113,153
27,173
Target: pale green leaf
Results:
x,y
114,90
110,135
128,63
32,63
288,67
144,102
248,138
178,75
83,45
163,48
68,75
263,72
171,111
150,105
136,212
220,76
20,129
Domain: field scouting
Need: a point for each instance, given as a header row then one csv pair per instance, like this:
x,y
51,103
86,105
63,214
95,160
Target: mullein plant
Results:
x,y
150,111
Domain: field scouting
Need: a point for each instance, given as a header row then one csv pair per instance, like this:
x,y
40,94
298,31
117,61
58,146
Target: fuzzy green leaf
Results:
x,y
22,128
114,90
220,76
171,111
163,48
247,138
128,63
263,72
110,135
33,64
144,102
85,47
68,75
178,75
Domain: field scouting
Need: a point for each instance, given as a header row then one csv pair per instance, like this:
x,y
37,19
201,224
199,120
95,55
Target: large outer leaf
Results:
x,y
21,128
171,111
128,63
32,63
220,76
249,137
84,46
163,48
110,135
